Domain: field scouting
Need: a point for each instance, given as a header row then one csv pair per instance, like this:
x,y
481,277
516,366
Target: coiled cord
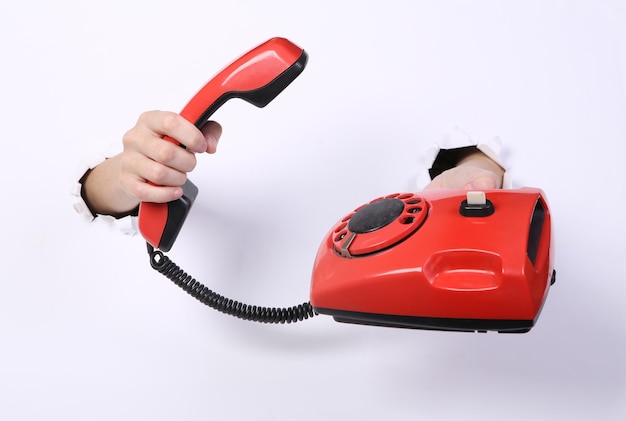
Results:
x,y
170,270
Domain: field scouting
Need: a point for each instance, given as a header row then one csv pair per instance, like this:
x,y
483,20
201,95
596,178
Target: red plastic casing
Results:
x,y
257,77
446,271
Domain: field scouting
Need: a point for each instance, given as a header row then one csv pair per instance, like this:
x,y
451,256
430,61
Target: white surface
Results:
x,y
90,332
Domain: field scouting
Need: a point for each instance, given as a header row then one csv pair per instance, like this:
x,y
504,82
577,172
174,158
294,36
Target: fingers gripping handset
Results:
x,y
256,77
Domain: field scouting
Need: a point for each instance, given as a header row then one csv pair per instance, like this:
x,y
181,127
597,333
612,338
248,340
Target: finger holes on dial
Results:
x,y
340,236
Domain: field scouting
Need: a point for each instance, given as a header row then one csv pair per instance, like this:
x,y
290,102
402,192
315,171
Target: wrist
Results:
x,y
102,193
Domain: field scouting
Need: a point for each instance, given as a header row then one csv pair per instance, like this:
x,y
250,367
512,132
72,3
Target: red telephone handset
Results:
x,y
256,77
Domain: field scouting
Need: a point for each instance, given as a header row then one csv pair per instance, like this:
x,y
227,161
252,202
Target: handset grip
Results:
x,y
256,77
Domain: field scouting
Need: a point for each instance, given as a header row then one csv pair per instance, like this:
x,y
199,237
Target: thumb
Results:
x,y
212,132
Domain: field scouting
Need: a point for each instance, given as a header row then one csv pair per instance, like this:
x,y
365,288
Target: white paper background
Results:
x,y
89,332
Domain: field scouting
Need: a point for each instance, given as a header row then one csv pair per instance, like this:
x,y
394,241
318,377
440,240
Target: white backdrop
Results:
x,y
89,332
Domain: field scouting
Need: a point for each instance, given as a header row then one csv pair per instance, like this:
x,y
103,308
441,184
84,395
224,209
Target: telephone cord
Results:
x,y
162,264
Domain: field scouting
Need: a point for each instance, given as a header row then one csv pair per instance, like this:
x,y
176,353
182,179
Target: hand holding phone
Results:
x,y
256,77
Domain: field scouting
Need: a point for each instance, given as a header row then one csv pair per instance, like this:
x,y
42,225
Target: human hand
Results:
x,y
474,172
152,169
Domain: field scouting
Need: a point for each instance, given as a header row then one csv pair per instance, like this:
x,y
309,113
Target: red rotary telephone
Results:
x,y
440,259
